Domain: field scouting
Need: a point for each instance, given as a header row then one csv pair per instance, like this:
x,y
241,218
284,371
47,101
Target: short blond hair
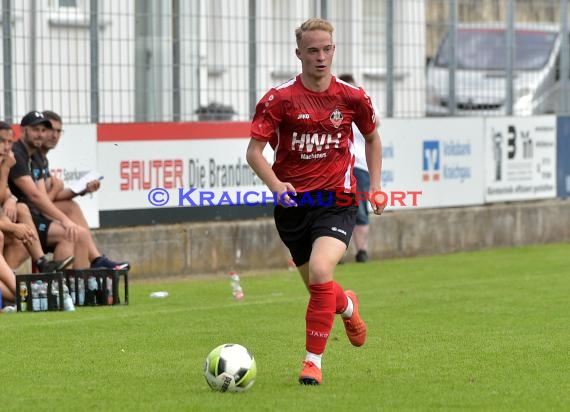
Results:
x,y
313,24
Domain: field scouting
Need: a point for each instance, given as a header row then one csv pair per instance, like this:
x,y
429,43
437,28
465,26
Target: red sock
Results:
x,y
341,299
320,317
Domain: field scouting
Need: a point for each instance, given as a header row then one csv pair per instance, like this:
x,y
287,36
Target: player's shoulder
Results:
x,y
350,88
279,90
349,91
281,94
288,85
19,149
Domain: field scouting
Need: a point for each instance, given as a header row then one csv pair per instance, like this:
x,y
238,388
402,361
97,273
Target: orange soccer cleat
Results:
x,y
311,374
355,326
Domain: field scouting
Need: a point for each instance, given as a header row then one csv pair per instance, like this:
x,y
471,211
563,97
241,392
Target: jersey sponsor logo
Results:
x,y
336,118
312,156
309,142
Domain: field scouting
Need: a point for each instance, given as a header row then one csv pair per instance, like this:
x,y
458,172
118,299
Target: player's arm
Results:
x,y
263,170
7,200
38,196
54,187
59,192
9,205
373,151
5,166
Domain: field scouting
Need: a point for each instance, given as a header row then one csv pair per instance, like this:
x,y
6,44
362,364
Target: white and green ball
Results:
x,y
230,368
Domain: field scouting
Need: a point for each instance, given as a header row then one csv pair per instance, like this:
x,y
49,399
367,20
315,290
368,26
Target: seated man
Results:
x,y
21,235
63,197
56,231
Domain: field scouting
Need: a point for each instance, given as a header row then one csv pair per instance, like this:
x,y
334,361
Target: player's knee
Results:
x,y
22,208
320,270
83,234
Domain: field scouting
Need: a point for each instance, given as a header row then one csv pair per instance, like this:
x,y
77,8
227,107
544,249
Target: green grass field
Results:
x,y
486,331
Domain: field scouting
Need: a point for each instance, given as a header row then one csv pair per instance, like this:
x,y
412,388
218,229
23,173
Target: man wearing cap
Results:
x,y
57,233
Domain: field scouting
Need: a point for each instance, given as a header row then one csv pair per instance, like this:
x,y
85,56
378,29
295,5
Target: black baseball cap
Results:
x,y
34,118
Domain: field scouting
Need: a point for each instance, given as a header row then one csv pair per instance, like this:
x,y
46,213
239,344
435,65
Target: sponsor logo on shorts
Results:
x,y
336,229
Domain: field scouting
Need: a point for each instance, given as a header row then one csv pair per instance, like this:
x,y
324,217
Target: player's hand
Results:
x,y
24,233
10,159
378,200
92,186
71,231
56,185
285,191
10,209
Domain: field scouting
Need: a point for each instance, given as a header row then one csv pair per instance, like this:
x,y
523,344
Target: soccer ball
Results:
x,y
230,368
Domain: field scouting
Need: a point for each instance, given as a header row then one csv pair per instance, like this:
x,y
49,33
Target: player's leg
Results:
x,y
63,258
16,252
74,212
319,318
55,239
293,227
332,229
96,258
7,277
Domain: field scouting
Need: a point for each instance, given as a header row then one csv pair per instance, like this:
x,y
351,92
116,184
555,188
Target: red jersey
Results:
x,y
311,132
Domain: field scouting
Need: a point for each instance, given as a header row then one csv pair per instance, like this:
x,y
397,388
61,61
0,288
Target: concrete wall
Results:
x,y
217,247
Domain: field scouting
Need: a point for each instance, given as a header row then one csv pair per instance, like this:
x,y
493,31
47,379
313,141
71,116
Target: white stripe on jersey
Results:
x,y
288,83
276,146
347,84
349,171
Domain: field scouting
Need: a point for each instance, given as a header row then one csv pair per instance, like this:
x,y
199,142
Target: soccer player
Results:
x,y
308,122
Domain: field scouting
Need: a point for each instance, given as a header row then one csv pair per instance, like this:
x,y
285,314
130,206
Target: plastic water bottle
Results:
x,y
55,293
43,295
68,305
72,289
36,306
23,296
80,292
92,288
109,290
237,290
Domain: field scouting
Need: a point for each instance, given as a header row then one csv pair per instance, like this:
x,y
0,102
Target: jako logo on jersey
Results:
x,y
303,116
306,142
336,118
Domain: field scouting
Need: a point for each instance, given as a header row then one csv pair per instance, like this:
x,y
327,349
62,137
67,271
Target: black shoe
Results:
x,y
362,256
103,262
49,266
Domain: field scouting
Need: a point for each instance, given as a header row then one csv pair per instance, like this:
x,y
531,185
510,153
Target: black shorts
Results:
x,y
299,226
42,226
